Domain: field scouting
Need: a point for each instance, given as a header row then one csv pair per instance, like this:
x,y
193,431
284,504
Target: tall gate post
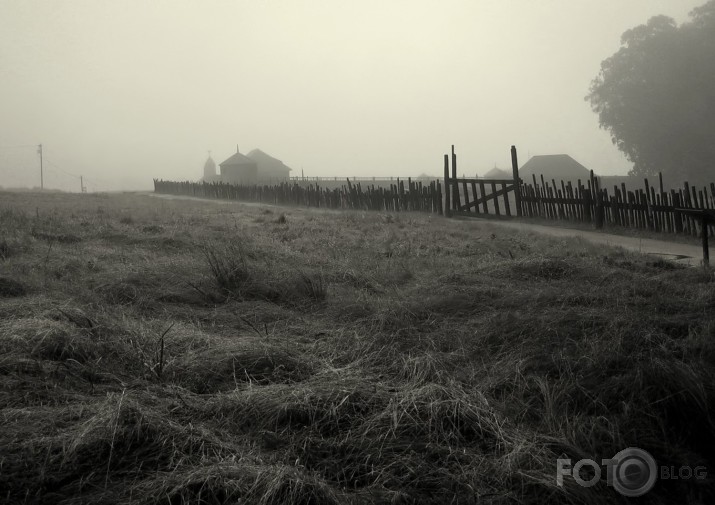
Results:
x,y
447,188
455,194
517,181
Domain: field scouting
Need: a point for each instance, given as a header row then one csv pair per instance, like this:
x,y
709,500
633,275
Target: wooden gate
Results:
x,y
475,197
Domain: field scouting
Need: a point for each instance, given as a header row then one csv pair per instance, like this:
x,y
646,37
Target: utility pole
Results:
x,y
39,151
81,185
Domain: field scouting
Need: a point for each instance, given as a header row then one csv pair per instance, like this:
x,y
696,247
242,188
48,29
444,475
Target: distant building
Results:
x,y
239,169
498,173
270,169
553,166
256,167
209,169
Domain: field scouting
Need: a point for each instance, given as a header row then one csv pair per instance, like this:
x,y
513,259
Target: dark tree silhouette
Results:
x,y
656,97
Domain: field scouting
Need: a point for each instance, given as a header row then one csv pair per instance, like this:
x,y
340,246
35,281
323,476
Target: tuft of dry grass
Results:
x,y
237,274
229,267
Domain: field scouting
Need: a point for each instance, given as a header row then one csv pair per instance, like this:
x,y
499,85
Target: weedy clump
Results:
x,y
229,266
238,274
302,286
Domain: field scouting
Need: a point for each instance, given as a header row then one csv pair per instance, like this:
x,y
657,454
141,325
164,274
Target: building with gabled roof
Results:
x,y
553,166
256,167
239,169
270,169
498,173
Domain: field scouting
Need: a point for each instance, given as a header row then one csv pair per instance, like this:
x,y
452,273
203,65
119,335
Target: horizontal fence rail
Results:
x,y
356,179
401,196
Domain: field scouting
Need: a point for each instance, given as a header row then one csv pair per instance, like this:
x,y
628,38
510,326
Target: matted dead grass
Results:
x,y
165,351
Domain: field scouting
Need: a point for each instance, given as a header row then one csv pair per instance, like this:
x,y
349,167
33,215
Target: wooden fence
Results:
x,y
476,196
400,196
356,179
585,202
647,208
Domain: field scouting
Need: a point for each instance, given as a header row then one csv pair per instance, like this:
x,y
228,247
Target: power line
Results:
x,y
96,179
93,180
21,146
84,181
61,170
96,183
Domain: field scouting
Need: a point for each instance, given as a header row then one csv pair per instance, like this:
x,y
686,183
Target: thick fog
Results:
x,y
124,91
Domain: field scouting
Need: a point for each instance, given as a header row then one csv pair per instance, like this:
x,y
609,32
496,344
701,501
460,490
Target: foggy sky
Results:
x,y
124,91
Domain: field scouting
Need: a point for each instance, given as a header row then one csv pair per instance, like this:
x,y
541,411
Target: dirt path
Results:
x,y
209,200
680,253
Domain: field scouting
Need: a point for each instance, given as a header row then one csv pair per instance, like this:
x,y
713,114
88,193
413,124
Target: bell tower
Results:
x,y
209,169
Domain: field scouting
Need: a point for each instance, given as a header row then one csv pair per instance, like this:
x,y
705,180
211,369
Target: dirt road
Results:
x,y
680,253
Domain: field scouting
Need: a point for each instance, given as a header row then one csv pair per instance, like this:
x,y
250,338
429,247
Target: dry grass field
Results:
x,y
160,351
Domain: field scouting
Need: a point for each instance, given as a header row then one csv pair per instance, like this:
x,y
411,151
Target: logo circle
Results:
x,y
634,472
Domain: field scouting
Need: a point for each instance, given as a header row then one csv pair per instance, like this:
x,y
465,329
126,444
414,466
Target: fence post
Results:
x,y
517,181
600,210
438,196
447,188
648,208
706,249
586,201
455,196
596,197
